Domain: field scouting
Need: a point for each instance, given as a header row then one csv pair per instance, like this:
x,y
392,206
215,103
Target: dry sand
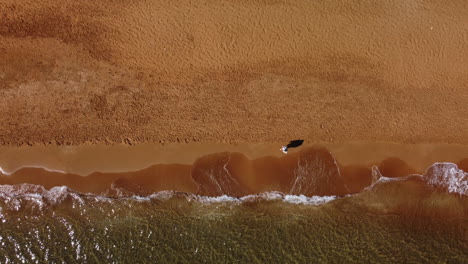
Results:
x,y
75,72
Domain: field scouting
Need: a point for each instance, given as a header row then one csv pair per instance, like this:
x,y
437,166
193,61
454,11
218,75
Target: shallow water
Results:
x,y
178,228
300,208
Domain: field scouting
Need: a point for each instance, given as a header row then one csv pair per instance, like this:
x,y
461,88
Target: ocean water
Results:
x,y
320,212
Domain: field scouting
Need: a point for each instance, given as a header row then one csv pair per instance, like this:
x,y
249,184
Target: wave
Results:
x,y
444,175
310,172
448,176
409,195
4,172
311,177
16,195
37,220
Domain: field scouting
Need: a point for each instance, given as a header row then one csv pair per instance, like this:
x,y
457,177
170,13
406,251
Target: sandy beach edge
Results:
x,y
85,159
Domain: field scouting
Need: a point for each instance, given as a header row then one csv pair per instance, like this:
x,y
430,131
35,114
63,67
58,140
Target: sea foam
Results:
x,y
449,176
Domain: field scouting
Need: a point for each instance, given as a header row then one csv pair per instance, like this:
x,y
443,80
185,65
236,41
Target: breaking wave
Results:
x,y
310,177
448,176
17,196
227,197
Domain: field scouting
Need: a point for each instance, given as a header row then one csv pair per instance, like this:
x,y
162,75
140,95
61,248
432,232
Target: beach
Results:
x,y
251,72
151,131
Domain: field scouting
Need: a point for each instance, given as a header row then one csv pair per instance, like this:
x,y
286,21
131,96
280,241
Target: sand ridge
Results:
x,y
232,71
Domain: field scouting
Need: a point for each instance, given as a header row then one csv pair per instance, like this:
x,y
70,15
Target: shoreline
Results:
x,y
86,159
151,131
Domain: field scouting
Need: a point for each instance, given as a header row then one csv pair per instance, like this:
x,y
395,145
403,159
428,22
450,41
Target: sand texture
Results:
x,y
74,72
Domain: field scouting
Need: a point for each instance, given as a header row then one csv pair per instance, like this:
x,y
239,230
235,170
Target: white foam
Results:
x,y
378,178
441,174
140,198
302,199
448,175
269,196
38,194
218,199
4,172
57,194
162,195
13,194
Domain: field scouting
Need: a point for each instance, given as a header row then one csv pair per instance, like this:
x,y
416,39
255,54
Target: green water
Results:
x,y
181,231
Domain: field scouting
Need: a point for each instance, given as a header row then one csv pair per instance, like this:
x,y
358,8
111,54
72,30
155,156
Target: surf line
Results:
x,y
4,172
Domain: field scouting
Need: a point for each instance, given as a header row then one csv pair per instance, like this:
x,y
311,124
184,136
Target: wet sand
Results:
x,y
150,130
86,159
221,169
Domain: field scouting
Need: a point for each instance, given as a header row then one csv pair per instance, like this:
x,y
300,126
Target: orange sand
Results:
x,y
86,159
218,169
233,71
